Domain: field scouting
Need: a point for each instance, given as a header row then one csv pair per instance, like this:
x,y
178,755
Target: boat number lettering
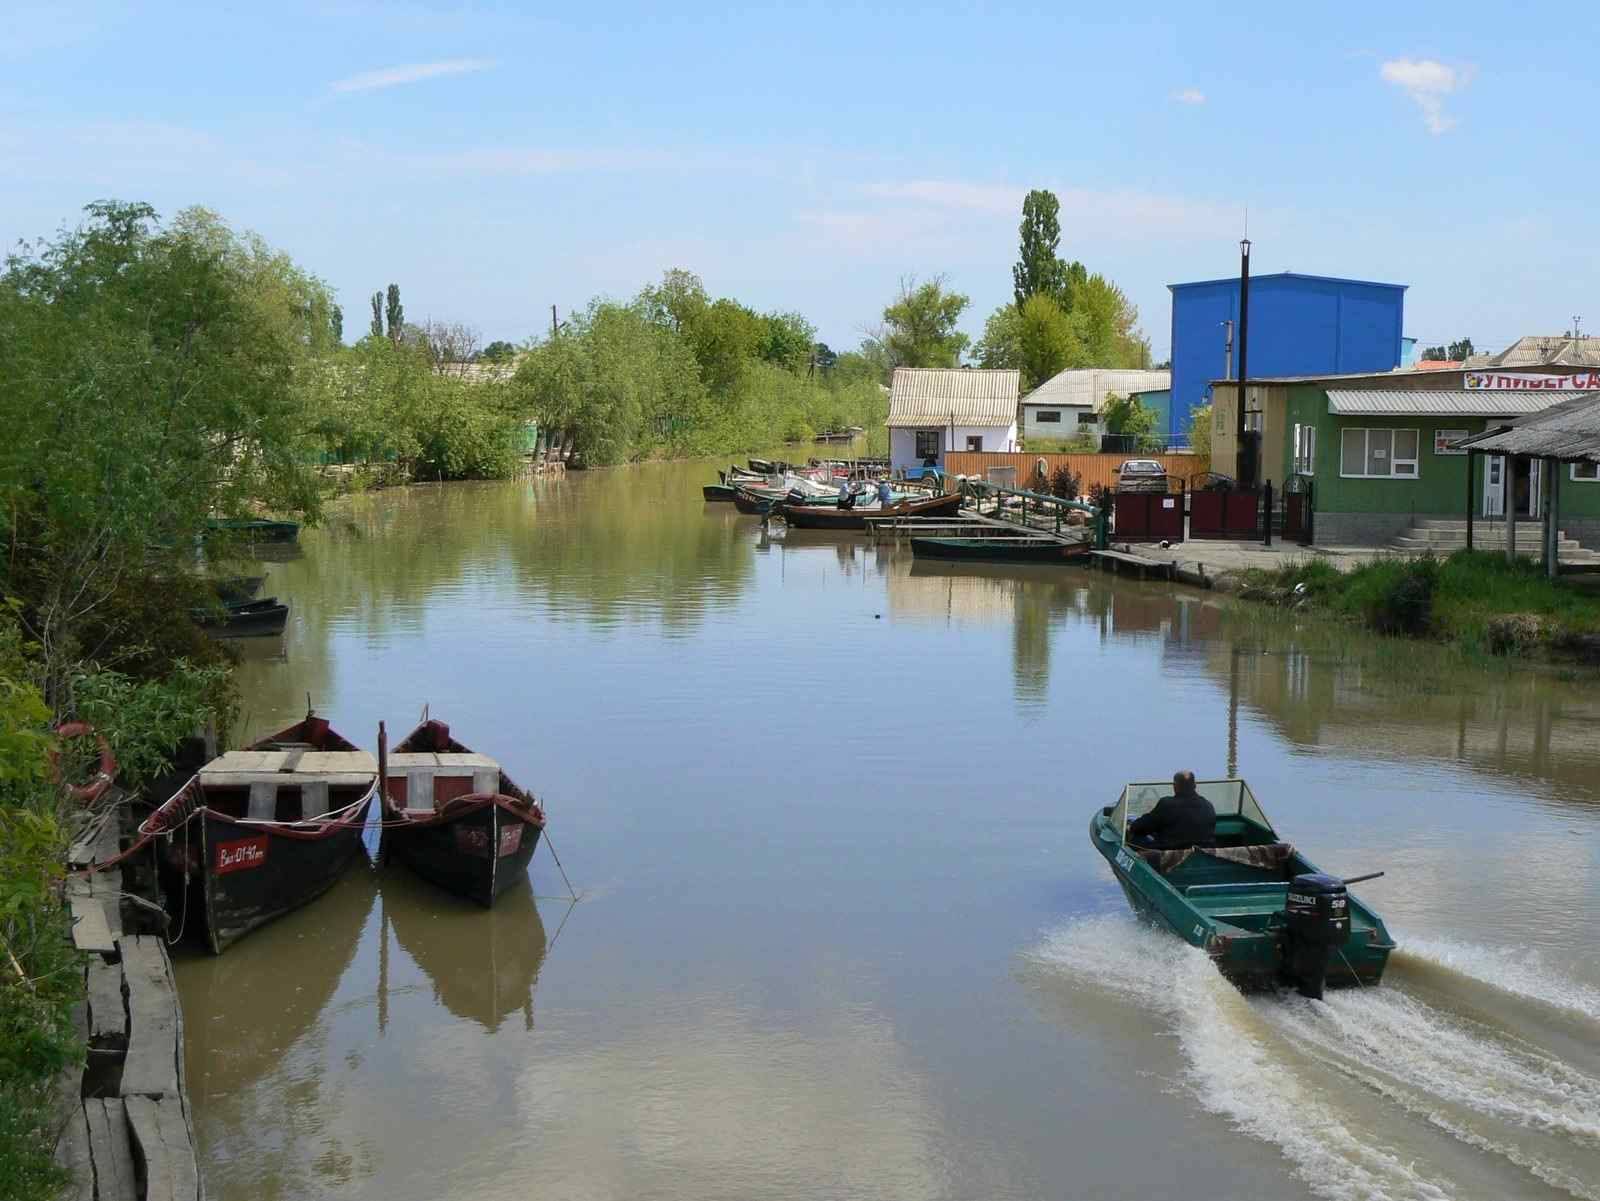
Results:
x,y
1125,861
1199,930
510,839
240,855
472,841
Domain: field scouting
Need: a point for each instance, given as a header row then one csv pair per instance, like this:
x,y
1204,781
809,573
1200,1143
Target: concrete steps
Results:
x,y
1441,535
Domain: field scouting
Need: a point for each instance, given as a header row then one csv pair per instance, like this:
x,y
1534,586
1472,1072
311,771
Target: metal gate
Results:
x,y
1148,516
1297,510
1233,513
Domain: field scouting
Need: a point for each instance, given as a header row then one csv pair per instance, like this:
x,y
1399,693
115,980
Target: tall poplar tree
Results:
x,y
376,328
395,313
1038,270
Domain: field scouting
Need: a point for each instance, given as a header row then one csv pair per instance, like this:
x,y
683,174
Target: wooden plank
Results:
x,y
112,1150
72,1147
90,930
285,779
108,1013
162,1145
151,1066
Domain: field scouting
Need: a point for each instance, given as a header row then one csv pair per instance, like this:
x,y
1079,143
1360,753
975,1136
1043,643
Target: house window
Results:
x,y
1378,454
1088,418
1252,421
1305,450
974,441
1586,471
1048,416
928,444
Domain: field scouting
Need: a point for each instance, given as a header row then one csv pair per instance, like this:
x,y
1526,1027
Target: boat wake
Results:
x,y
1466,1074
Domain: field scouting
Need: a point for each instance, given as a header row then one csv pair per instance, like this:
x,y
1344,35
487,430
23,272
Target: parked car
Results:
x,y
1141,475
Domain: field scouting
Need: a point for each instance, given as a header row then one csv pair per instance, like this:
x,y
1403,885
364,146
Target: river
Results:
x,y
841,931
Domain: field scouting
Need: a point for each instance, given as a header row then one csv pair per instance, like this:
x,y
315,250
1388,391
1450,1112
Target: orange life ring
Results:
x,y
97,784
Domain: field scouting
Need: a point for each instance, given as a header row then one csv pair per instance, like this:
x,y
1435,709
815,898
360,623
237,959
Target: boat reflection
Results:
x,y
481,963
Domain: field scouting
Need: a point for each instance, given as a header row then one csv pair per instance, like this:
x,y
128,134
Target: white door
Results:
x,y
1494,486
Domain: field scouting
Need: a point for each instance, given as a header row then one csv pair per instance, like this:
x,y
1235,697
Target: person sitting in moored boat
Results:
x,y
1184,819
847,496
885,494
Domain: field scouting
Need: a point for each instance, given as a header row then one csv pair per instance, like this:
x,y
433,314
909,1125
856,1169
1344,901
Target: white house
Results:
x,y
935,410
1069,402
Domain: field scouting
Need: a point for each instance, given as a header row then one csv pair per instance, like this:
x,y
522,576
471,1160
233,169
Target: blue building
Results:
x,y
1299,325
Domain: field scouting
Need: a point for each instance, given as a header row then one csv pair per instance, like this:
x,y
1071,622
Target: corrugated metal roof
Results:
x,y
1438,402
1569,431
1089,385
953,396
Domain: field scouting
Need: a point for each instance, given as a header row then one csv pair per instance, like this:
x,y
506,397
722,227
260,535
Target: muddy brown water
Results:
x,y
842,933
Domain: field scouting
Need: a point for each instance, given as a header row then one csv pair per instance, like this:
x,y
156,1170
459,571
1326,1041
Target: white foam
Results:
x,y
1234,1064
1519,973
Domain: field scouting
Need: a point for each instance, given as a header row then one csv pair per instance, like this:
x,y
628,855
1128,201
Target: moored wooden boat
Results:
x,y
262,831
718,492
1001,550
831,517
453,816
255,529
247,619
1263,911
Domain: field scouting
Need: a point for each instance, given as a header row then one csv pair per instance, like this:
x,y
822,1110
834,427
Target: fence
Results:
x,y
1091,469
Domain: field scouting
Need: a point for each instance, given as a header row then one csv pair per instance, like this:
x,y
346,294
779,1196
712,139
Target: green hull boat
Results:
x,y
255,529
1264,912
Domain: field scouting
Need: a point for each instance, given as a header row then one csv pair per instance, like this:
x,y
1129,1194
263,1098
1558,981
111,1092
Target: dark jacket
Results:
x,y
1183,820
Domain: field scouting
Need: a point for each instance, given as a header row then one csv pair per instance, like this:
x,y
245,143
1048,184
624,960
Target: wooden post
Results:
x,y
1552,493
1472,459
1508,505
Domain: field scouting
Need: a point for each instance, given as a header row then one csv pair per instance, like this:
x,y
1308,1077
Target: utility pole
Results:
x,y
1246,467
553,321
1227,350
1576,322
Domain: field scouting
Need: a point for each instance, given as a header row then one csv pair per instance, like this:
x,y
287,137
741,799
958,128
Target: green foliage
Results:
x,y
1125,415
1078,444
375,327
498,352
921,325
787,340
677,301
1200,436
1476,600
394,313
1038,271
1458,351
726,338
144,721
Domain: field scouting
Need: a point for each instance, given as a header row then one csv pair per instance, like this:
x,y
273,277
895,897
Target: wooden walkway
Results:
x,y
1121,561
968,525
127,1132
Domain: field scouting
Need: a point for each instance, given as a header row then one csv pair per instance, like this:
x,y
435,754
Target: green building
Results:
x,y
1378,453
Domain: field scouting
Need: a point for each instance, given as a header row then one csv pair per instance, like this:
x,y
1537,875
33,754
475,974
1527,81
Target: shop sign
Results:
x,y
1530,381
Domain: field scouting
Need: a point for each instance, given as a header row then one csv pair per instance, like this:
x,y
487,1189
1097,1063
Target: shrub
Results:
x,y
1398,598
1065,483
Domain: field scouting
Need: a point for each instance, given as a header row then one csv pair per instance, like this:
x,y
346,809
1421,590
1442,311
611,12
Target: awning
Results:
x,y
1569,432
1440,402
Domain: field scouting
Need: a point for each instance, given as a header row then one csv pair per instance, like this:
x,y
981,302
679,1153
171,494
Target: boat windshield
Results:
x,y
1230,798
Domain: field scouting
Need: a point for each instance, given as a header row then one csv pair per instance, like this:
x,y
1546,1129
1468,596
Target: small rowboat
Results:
x,y
255,529
1263,911
247,619
260,832
718,492
831,517
1001,550
453,817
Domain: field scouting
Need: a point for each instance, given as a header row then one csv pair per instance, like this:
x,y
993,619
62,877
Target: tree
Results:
x,y
787,339
725,339
336,322
823,357
1460,351
1200,436
1125,415
921,325
497,352
376,328
1110,325
1037,269
677,301
394,313
1048,340
451,345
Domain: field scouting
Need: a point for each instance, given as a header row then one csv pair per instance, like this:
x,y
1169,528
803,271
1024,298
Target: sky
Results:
x,y
494,160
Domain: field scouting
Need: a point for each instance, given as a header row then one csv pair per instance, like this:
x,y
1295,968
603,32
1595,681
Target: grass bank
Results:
x,y
1476,601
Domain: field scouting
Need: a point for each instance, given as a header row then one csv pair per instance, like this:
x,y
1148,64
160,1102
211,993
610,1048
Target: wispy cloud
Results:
x,y
1189,96
389,77
952,193
1428,82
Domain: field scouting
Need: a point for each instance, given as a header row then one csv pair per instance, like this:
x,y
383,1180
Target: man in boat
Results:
x,y
885,494
1184,819
847,497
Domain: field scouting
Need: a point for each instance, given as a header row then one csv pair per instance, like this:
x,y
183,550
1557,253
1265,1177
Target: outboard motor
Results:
x,y
1316,925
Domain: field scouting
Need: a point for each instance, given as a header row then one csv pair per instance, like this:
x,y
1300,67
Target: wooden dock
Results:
x,y
1124,562
968,525
127,1132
